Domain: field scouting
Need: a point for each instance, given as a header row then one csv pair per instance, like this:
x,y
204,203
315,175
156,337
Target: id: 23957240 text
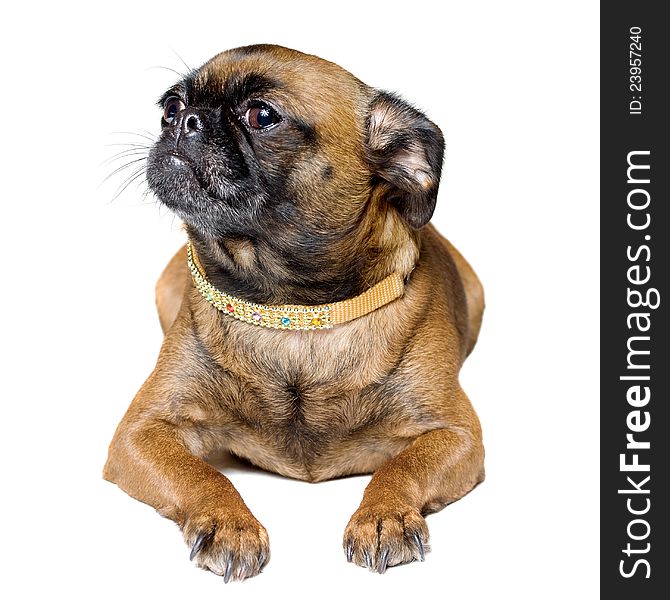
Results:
x,y
635,70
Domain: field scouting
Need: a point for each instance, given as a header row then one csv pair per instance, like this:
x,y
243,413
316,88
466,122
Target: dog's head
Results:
x,y
263,141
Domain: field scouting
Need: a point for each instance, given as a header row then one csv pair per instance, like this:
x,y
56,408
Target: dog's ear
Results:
x,y
405,149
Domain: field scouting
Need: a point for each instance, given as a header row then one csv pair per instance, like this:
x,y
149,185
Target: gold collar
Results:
x,y
295,316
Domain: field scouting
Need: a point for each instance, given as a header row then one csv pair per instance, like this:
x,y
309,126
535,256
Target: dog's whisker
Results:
x,y
141,171
129,144
123,154
146,193
164,68
124,167
127,182
188,69
144,133
136,150
144,151
141,168
150,135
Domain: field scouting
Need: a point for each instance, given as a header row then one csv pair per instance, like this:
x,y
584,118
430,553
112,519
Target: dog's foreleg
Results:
x,y
439,467
149,460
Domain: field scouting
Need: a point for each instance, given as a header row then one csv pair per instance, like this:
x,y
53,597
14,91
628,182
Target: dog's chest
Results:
x,y
321,430
315,410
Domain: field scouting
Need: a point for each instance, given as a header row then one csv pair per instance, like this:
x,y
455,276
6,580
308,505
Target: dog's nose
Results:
x,y
188,122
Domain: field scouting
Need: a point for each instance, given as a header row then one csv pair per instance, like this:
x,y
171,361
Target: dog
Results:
x,y
315,323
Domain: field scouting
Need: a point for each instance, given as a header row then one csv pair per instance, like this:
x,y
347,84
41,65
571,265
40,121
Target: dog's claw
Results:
x,y
229,569
383,561
349,550
200,542
368,559
419,546
261,560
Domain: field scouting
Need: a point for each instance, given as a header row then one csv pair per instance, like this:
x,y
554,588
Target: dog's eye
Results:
x,y
172,107
262,117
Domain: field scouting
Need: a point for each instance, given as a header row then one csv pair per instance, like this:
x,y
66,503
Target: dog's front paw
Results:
x,y
380,536
232,544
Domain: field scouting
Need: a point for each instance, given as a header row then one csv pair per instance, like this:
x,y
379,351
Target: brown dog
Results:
x,y
299,185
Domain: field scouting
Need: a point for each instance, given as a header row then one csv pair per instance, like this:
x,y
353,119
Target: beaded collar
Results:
x,y
295,316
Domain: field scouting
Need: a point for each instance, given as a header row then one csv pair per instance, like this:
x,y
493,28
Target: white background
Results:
x,y
513,85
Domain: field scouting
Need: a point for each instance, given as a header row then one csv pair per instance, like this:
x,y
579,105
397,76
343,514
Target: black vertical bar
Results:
x,y
635,260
